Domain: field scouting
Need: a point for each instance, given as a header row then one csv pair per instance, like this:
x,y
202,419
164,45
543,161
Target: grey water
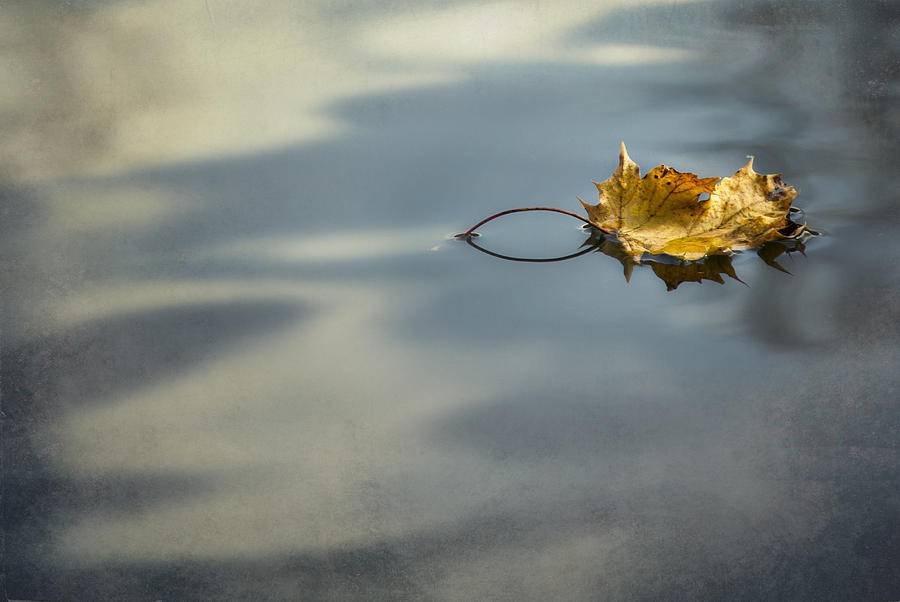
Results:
x,y
243,357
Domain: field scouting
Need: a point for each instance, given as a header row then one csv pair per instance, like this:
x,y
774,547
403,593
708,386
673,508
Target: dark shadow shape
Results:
x,y
676,531
37,503
44,377
578,428
102,358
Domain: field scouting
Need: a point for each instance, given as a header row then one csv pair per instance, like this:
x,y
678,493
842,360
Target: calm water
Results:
x,y
242,359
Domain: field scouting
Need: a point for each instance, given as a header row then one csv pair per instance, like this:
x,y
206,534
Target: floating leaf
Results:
x,y
661,212
659,219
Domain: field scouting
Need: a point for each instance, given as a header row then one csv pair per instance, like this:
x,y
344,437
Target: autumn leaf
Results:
x,y
661,212
660,219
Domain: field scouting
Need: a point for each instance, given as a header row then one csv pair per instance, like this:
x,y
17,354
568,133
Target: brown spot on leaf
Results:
x,y
662,213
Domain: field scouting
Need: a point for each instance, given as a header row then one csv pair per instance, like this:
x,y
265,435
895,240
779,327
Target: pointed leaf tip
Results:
x,y
660,212
623,155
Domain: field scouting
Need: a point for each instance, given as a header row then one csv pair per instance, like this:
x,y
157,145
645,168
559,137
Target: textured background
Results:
x,y
240,359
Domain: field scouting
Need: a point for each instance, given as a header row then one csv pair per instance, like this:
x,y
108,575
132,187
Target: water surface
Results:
x,y
242,359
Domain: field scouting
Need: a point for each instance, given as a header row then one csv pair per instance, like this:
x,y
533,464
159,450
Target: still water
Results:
x,y
243,360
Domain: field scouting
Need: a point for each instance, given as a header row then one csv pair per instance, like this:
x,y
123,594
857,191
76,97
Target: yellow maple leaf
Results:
x,y
661,213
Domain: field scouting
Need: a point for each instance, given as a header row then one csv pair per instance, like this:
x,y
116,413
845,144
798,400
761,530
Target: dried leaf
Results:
x,y
660,213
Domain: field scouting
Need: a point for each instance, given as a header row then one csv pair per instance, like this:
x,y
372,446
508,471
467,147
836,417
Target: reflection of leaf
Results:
x,y
773,250
661,213
673,271
710,268
611,247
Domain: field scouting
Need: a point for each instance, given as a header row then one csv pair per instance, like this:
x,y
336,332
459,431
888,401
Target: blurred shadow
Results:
x,y
36,503
95,362
386,569
608,453
579,428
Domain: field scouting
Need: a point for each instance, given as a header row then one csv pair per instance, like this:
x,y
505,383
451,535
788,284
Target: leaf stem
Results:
x,y
468,233
530,259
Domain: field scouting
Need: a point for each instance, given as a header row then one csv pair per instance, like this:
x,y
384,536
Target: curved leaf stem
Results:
x,y
529,259
468,233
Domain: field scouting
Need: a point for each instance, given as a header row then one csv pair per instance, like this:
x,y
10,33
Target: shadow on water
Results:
x,y
94,364
96,361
